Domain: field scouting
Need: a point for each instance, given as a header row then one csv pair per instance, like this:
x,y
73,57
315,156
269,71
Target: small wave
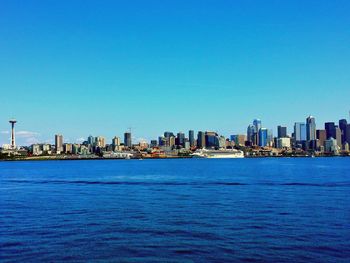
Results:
x,y
178,183
10,244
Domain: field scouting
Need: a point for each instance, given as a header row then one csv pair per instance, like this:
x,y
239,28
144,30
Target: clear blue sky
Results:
x,y
99,67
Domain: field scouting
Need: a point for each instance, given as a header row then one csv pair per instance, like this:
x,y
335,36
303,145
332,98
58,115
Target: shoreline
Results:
x,y
158,158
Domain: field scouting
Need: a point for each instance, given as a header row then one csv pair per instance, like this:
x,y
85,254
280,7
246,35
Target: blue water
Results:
x,y
187,210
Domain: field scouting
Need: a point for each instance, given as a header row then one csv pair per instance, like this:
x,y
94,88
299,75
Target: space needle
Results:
x,y
13,139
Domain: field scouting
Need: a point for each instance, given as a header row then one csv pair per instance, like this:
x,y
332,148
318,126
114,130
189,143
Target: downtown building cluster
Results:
x,y
332,139
305,139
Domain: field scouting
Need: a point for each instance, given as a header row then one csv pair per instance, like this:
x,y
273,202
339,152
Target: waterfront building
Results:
x,y
346,147
342,126
238,139
84,150
154,143
310,128
100,141
116,141
127,139
299,132
221,142
263,137
59,143
191,138
201,139
46,147
76,148
68,148
281,131
330,129
283,142
35,149
331,146
211,139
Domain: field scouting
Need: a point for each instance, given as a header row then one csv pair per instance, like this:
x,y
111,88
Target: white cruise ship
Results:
x,y
225,153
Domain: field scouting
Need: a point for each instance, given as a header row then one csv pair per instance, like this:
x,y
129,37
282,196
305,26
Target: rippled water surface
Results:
x,y
263,210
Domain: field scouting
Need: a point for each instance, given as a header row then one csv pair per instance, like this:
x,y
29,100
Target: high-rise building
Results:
x,y
162,141
283,142
299,131
342,126
116,141
251,134
211,139
100,141
257,124
310,128
59,143
321,136
168,134
180,139
201,139
338,136
269,137
330,129
281,132
263,137
91,140
191,137
347,133
68,148
127,139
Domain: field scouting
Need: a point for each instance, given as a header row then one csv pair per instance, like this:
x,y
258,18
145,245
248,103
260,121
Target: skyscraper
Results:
x,y
180,139
299,131
310,128
321,135
342,126
127,139
100,141
116,141
211,139
168,134
263,137
338,136
201,139
59,143
91,140
257,124
251,134
191,137
347,133
330,129
281,132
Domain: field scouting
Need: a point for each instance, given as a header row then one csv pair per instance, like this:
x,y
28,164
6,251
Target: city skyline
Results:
x,y
30,138
200,64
